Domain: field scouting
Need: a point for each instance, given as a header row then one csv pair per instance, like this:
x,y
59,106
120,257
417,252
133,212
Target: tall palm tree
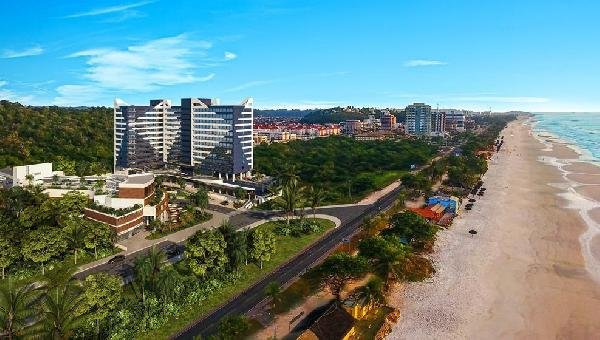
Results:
x,y
289,173
290,197
373,292
315,197
61,313
75,235
155,258
200,199
60,277
16,310
273,290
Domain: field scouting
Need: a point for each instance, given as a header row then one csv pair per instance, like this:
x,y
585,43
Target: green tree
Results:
x,y
205,252
181,183
262,245
373,292
200,199
233,327
273,291
155,259
17,310
238,252
102,294
75,235
237,245
289,199
411,227
338,269
98,235
67,166
9,254
43,244
61,313
385,256
315,197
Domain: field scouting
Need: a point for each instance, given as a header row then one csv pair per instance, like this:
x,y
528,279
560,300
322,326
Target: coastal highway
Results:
x,y
351,218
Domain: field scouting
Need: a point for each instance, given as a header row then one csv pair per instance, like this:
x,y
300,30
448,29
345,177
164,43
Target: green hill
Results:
x,y
77,140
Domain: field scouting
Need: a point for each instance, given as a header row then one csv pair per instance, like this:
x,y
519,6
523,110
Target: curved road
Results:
x,y
351,218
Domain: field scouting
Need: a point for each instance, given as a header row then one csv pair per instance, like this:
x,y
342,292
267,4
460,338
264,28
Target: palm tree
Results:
x,y
288,174
17,310
200,199
373,292
290,197
155,258
315,196
61,313
75,235
273,290
60,277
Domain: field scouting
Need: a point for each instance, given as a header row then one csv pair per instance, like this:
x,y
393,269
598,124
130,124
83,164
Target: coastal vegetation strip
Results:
x,y
286,246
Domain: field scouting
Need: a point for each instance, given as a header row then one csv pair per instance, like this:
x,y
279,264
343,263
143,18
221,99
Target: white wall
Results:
x,y
38,171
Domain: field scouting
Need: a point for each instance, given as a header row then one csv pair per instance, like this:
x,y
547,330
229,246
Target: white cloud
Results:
x,y
301,105
500,99
35,50
230,56
248,85
423,62
77,95
7,94
145,67
109,10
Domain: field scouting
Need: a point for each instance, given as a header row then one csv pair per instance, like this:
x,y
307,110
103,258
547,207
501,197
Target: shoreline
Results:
x,y
526,273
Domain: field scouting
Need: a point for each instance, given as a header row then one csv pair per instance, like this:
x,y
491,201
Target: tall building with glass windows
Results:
x,y
418,119
214,139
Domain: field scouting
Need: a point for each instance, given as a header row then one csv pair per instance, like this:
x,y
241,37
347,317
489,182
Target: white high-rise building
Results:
x,y
214,139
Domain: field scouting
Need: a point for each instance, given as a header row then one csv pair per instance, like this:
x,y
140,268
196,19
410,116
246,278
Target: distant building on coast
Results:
x,y
438,123
418,119
352,126
214,139
455,120
388,121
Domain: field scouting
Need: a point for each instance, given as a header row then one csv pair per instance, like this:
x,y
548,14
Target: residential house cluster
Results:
x,y
282,132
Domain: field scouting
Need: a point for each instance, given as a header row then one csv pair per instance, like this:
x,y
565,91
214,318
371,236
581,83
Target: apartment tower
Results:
x,y
214,139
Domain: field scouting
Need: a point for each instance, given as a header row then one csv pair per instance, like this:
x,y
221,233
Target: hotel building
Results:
x,y
214,139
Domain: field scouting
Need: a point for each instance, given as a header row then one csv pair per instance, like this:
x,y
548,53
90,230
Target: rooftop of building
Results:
x,y
335,323
138,179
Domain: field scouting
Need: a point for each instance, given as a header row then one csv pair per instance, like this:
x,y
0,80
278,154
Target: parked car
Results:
x,y
116,259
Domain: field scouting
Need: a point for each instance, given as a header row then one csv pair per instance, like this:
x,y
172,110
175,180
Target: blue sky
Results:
x,y
529,55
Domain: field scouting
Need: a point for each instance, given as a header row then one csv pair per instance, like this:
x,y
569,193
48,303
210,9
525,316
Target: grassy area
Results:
x,y
368,327
287,247
385,178
160,233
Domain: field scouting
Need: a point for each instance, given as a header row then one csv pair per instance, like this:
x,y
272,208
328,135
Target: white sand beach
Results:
x,y
530,272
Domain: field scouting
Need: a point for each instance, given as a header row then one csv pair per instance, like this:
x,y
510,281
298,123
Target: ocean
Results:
x,y
581,130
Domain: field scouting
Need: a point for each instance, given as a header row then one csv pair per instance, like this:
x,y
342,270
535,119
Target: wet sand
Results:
x,y
523,276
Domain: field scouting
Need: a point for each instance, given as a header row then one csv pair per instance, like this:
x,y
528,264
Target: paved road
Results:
x,y
123,265
351,218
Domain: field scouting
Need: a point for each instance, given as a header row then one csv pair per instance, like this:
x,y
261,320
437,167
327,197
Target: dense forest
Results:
x,y
287,113
343,167
78,140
